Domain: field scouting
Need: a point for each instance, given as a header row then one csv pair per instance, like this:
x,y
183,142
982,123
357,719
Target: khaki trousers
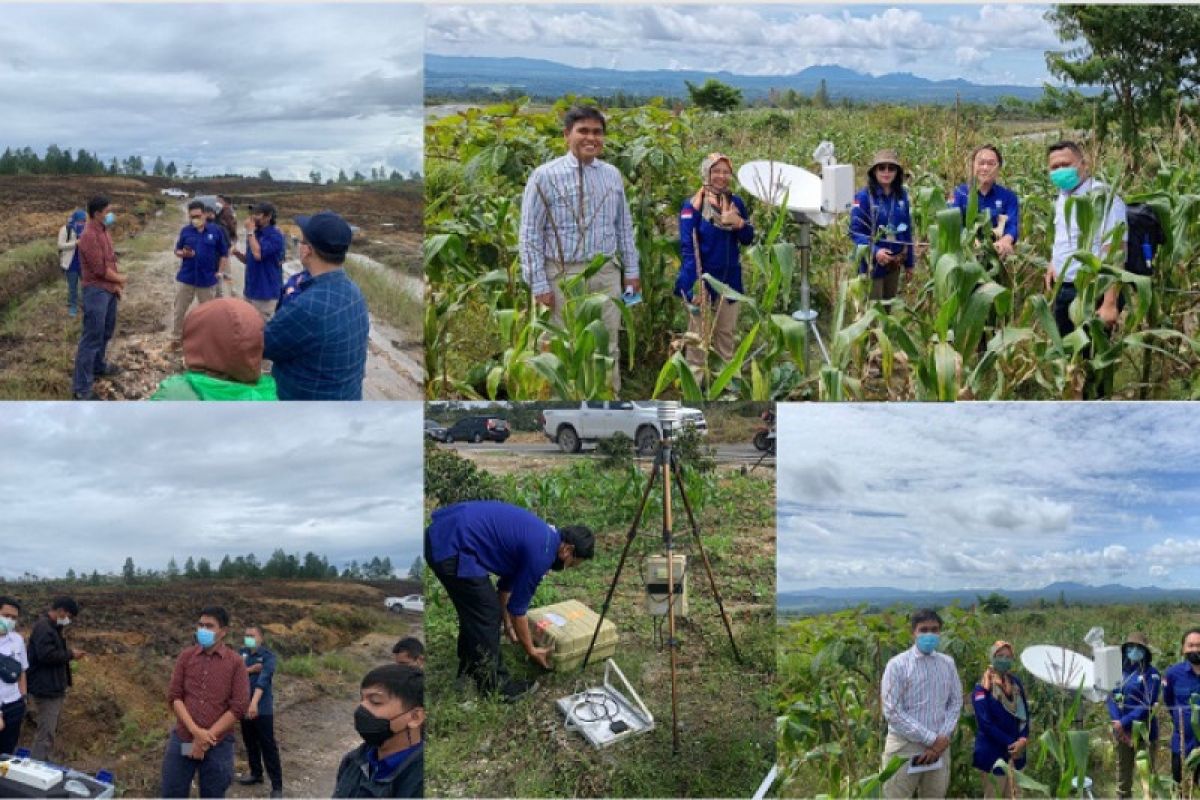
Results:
x,y
606,281
184,294
722,319
1000,785
933,783
264,307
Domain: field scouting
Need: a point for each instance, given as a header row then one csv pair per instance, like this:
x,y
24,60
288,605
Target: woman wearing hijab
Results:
x,y
68,256
1001,204
881,220
1133,701
1002,722
713,225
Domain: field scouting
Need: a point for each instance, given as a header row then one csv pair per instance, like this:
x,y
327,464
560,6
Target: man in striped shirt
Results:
x,y
574,209
922,698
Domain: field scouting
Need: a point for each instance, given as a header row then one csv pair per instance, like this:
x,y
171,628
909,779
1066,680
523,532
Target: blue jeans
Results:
x,y
178,770
99,322
72,289
14,714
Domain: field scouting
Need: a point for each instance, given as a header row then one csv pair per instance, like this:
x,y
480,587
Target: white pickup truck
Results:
x,y
600,419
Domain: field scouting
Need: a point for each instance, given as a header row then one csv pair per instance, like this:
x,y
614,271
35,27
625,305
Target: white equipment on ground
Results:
x,y
25,777
810,200
604,715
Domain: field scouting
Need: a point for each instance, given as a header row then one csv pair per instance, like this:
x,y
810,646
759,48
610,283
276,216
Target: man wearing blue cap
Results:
x,y
317,342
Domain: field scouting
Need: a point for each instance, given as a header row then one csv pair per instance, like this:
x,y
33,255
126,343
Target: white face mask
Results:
x,y
64,622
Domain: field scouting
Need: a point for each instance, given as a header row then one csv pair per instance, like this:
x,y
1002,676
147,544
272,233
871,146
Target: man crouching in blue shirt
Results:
x,y
390,719
317,342
202,247
467,541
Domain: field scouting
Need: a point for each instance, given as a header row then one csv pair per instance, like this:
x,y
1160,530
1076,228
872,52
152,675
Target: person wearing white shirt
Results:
x,y
574,209
922,699
13,663
1069,173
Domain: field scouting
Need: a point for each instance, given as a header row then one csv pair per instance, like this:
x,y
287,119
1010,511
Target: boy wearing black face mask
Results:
x,y
390,719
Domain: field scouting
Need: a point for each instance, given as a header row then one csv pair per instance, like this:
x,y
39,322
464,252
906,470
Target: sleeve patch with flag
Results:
x,y
685,214
980,695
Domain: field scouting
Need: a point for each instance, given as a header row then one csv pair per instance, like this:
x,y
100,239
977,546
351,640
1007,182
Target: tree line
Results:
x,y
61,161
280,565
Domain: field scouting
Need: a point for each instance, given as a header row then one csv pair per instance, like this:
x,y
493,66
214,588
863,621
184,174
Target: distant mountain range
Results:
x,y
824,600
467,76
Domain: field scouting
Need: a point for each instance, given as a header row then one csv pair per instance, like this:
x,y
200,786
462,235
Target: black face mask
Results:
x,y
559,565
1193,658
373,730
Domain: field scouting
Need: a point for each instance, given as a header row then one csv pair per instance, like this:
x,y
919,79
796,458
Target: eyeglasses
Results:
x,y
886,168
195,216
991,162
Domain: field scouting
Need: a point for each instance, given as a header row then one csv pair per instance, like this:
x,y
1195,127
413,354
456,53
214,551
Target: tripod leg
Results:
x,y
687,506
612,587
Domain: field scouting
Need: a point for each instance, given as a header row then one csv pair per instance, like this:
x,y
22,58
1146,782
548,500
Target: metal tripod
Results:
x,y
807,314
666,459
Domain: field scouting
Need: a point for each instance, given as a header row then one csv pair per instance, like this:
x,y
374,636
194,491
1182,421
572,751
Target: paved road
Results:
x,y
726,453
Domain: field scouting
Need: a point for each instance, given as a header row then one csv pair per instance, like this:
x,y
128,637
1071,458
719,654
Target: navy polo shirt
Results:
x,y
264,276
210,246
498,538
261,680
317,341
1181,691
997,201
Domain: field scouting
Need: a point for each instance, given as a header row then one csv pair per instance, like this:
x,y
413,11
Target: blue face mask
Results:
x,y
1065,178
205,637
928,642
250,642
109,219
1135,655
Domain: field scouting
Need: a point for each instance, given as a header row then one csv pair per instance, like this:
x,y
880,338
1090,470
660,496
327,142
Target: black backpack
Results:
x,y
1145,237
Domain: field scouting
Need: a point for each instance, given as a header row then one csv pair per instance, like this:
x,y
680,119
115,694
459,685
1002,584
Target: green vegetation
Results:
x,y
832,730
965,326
479,746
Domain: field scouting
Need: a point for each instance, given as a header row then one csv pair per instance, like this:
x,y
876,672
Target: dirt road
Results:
x,y
141,345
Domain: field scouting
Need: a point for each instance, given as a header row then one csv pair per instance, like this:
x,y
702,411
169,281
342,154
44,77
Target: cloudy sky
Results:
x,y
226,87
1011,495
981,43
87,485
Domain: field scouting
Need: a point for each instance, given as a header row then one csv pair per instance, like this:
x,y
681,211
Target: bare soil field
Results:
x,y
116,716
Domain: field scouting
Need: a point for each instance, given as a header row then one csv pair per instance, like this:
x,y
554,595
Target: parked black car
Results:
x,y
477,429
435,430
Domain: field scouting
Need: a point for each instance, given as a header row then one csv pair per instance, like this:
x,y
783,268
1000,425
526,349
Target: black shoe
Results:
x,y
88,395
515,691
108,371
277,793
249,780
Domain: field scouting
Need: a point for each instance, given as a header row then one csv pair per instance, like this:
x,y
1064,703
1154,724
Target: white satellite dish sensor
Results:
x,y
777,183
1064,668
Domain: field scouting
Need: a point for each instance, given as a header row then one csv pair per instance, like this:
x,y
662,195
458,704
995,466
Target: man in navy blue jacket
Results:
x,y
468,541
202,247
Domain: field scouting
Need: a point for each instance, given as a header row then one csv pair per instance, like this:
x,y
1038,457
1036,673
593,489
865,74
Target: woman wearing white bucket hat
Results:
x,y
713,226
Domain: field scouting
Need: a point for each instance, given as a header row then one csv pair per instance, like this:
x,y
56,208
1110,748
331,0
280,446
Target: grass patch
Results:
x,y
727,730
304,666
388,300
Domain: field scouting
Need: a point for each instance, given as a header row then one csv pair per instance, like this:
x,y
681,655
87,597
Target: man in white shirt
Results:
x,y
573,210
922,698
12,692
1069,172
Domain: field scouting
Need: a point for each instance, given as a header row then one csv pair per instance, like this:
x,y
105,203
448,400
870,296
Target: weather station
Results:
x,y
1093,678
809,199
